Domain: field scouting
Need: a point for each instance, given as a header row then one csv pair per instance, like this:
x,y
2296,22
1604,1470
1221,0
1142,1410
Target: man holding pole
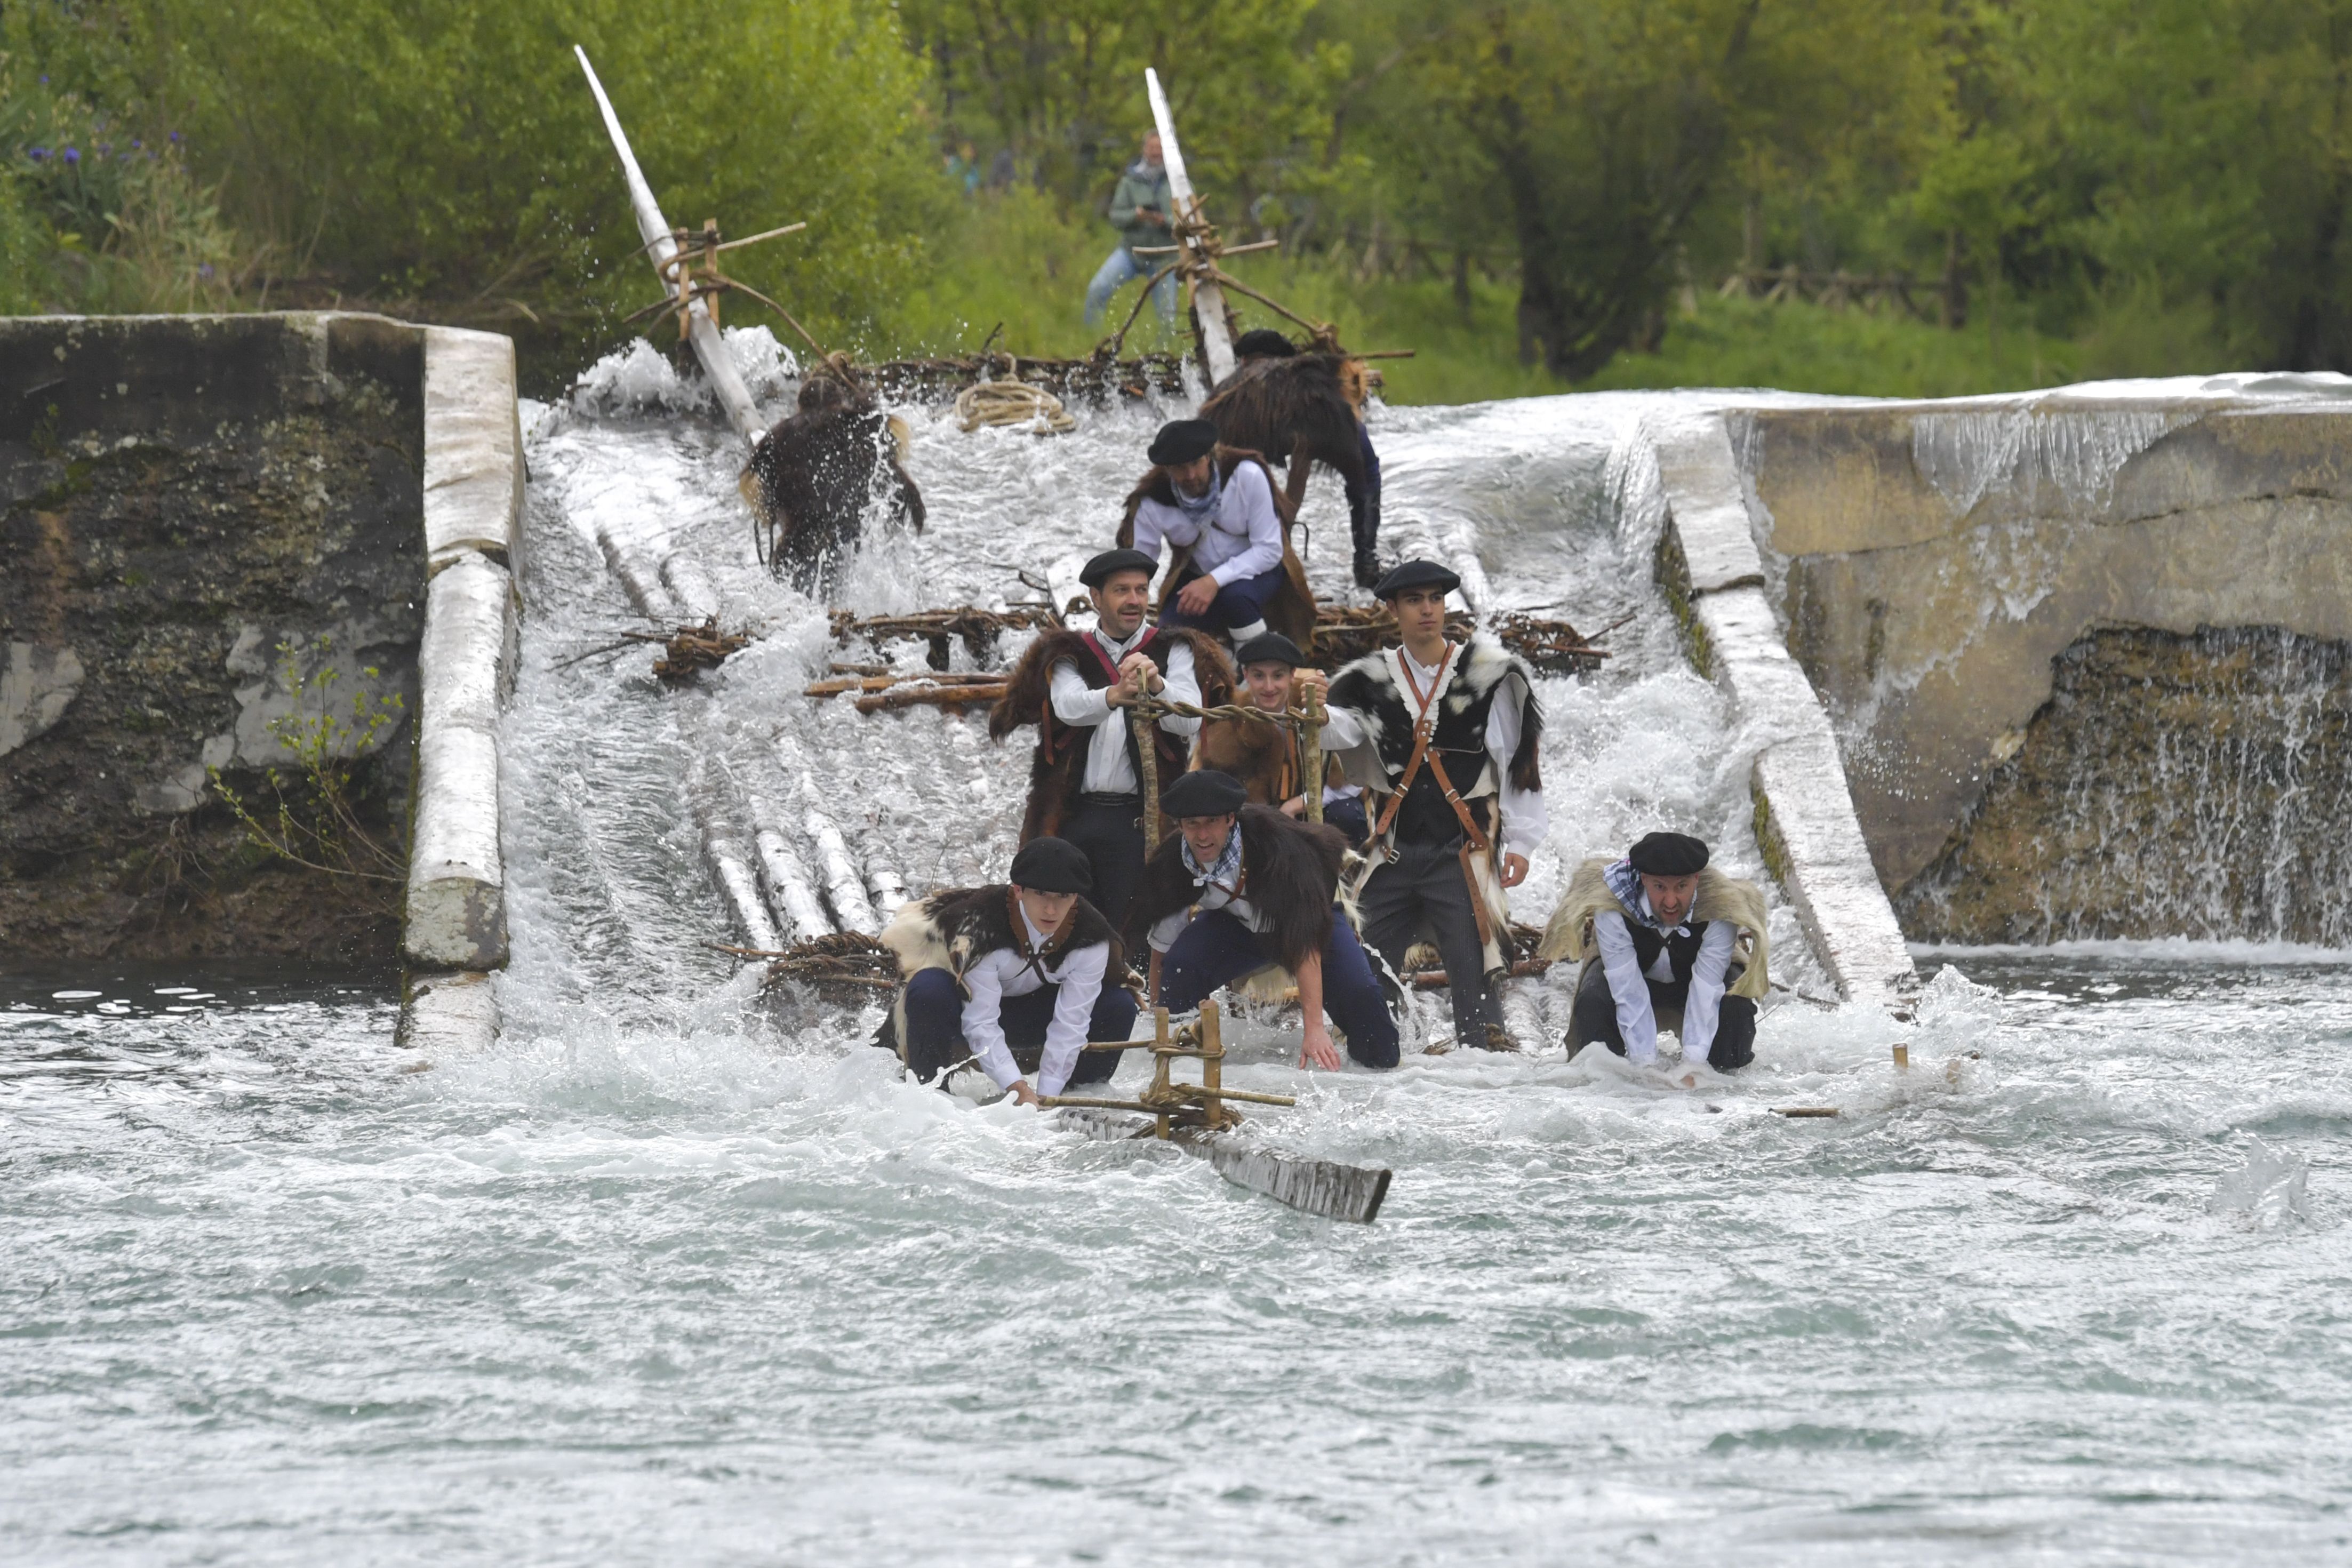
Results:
x,y
1239,887
1085,778
1444,736
1269,758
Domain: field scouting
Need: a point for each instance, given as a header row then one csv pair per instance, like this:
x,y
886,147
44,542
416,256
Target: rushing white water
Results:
x,y
675,1277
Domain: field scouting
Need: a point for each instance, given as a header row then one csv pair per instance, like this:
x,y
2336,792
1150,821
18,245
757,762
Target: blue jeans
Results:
x,y
1120,268
935,1026
1216,948
1237,604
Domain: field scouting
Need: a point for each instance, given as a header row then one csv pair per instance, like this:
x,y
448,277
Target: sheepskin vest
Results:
x,y
1374,688
1568,933
1290,874
1058,769
954,929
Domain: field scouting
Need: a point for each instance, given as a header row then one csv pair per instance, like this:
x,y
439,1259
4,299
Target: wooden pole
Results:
x,y
1212,1065
1147,753
1208,299
1310,754
702,331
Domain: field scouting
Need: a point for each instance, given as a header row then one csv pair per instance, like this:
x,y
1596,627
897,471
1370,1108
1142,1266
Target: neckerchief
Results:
x,y
1625,883
1226,874
1203,507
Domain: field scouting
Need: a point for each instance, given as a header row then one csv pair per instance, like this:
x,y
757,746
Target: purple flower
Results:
x,y
40,154
175,137
136,145
73,155
205,271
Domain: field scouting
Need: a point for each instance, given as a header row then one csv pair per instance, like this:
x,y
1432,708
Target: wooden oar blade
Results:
x,y
1324,1187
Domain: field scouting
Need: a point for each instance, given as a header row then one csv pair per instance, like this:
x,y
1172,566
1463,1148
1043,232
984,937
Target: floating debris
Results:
x,y
842,962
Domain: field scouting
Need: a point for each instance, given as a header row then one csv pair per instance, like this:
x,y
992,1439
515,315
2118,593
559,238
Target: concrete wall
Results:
x,y
202,515
1932,563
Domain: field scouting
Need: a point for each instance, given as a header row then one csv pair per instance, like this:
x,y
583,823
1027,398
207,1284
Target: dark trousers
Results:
x,y
1364,498
1109,831
1348,816
935,1026
1595,1018
1237,604
1424,887
1216,948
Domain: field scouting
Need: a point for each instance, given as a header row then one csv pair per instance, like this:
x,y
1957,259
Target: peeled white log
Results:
x,y
791,889
448,1015
473,445
640,573
843,887
456,880
687,580
655,230
722,845
1208,299
889,890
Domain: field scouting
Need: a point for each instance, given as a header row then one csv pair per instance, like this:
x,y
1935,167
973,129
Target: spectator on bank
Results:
x,y
1139,210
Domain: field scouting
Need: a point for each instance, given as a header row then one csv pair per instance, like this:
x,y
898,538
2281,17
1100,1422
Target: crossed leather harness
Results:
x,y
1473,838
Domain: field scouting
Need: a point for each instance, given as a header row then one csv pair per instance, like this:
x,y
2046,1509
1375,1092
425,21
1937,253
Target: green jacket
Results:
x,y
1141,187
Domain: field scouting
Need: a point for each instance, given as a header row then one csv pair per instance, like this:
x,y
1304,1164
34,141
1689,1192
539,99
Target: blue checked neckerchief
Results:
x,y
1226,874
1203,507
1626,883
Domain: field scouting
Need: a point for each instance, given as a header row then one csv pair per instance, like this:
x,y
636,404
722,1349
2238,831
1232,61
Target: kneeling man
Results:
x,y
1264,888
1664,941
998,969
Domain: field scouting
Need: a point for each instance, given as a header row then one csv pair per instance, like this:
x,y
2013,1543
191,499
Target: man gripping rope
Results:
x,y
1085,778
1445,738
1664,941
1240,887
1022,965
1266,757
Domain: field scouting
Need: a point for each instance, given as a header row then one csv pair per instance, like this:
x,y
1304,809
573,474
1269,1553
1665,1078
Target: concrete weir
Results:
x,y
224,536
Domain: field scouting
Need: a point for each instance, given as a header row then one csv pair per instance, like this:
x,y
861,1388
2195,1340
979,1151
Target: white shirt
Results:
x,y
1211,896
1525,820
1242,539
1701,1008
1005,972
1109,770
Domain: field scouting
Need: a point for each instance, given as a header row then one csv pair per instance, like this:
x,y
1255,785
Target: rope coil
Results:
x,y
993,403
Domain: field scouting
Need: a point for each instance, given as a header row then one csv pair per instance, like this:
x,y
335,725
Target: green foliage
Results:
x,y
312,817
442,150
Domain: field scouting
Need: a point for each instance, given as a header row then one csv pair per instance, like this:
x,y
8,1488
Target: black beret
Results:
x,y
1268,647
1183,441
1099,571
1669,855
1264,342
1052,865
1207,793
1416,575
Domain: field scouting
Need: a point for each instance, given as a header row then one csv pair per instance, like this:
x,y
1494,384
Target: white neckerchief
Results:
x,y
1119,650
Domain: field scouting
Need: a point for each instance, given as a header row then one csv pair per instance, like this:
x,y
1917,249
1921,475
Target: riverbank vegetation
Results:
x,y
1887,196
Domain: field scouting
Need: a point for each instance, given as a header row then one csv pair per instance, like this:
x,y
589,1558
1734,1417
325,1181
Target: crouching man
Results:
x,y
1664,943
1264,887
1011,968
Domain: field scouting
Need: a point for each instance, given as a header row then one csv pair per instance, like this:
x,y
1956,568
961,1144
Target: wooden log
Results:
x,y
722,845
1434,979
928,697
845,888
702,331
1208,309
1804,1112
791,892
883,883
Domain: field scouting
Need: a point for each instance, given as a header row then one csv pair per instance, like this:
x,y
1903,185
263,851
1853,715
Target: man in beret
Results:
x,y
1266,757
1665,940
1216,505
1085,778
1444,736
1240,887
1024,968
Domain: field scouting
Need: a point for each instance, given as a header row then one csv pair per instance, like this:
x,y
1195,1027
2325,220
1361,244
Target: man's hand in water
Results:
x,y
1316,1049
1195,597
1022,1094
1515,870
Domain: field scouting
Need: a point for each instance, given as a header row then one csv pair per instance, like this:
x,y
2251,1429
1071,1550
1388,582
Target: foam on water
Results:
x,y
677,1276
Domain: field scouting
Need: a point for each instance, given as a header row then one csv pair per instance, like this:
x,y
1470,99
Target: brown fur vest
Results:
x,y
1264,757
1290,872
1291,611
1058,769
